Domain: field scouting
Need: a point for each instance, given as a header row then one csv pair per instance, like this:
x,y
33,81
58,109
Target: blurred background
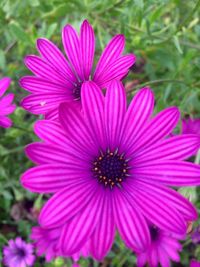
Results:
x,y
165,37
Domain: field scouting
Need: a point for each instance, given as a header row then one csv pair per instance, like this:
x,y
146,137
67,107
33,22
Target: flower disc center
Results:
x,y
77,91
154,232
110,168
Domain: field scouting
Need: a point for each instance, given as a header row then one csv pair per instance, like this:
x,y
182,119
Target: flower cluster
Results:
x,y
109,165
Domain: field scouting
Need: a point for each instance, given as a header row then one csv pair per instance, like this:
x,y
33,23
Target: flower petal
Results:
x,y
78,132
66,203
50,132
71,45
41,153
41,85
111,52
103,237
175,148
50,178
157,210
137,116
158,128
169,172
44,70
115,97
4,84
130,223
54,56
87,43
42,103
117,71
5,122
93,109
76,233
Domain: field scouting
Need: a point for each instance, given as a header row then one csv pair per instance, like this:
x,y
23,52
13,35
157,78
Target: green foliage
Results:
x,y
164,35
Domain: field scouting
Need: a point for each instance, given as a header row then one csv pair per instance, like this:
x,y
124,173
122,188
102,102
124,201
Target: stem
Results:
x,y
197,158
156,82
21,129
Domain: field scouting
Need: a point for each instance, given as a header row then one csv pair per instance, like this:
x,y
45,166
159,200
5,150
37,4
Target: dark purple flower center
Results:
x,y
154,232
77,91
110,168
20,252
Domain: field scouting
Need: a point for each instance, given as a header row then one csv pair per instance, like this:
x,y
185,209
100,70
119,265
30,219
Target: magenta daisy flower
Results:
x,y
191,126
59,80
6,106
196,235
194,263
164,246
18,254
109,168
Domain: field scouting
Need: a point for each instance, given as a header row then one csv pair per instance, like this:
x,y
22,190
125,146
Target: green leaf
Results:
x,y
177,44
19,32
2,60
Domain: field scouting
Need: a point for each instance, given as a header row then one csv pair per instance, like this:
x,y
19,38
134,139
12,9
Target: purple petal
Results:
x,y
71,44
175,148
114,117
4,84
137,116
5,122
93,109
87,43
50,178
43,102
103,237
67,203
50,132
112,51
157,210
76,233
158,128
40,85
54,56
44,70
116,71
169,172
130,223
78,132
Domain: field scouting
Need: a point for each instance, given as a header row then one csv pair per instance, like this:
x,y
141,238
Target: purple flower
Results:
x,y
18,254
109,168
59,80
194,263
6,106
191,126
196,235
164,246
46,242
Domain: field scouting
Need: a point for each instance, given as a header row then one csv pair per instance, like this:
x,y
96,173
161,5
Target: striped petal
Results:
x,y
76,233
176,148
66,203
112,51
130,223
169,172
157,210
137,115
115,97
4,84
103,237
87,43
71,45
116,71
54,56
50,178
93,109
41,85
158,128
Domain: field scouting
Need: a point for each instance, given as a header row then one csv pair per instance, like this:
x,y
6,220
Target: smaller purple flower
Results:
x,y
18,253
196,235
6,106
191,126
163,248
194,263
